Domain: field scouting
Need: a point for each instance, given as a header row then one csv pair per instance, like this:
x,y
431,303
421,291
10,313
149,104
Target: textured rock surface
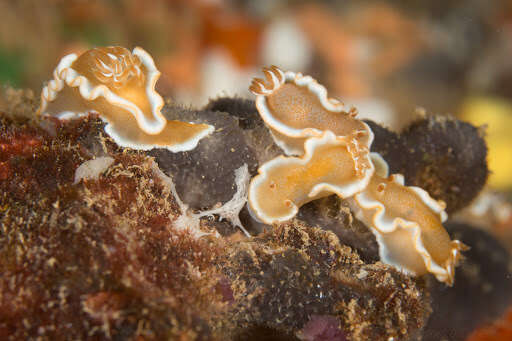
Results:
x,y
257,136
283,277
97,259
331,214
243,109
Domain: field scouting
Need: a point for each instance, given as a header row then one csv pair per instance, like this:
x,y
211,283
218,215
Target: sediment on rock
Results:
x,y
288,274
99,258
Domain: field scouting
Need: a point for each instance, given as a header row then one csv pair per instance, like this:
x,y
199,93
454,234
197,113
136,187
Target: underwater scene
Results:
x,y
275,170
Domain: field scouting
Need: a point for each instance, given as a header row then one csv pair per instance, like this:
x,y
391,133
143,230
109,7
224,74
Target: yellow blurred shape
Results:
x,y
496,113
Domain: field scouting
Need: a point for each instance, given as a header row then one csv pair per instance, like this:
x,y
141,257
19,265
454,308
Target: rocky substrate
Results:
x,y
117,248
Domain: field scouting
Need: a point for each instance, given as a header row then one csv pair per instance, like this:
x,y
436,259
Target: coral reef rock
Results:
x,y
331,213
293,272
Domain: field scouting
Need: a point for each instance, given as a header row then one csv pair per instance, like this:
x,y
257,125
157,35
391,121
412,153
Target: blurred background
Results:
x,y
393,60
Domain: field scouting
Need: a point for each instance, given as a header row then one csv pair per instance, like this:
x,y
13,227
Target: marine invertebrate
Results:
x,y
296,107
286,183
120,86
407,223
445,151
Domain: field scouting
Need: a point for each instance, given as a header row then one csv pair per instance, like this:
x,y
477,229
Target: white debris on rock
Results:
x,y
92,169
229,211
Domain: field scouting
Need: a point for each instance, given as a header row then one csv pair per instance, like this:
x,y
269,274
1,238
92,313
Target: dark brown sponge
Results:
x,y
444,156
205,176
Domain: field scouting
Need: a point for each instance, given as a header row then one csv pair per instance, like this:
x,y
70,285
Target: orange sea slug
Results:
x,y
120,86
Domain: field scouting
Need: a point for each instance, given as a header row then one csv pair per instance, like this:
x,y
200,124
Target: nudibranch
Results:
x,y
119,85
296,107
407,223
286,183
334,148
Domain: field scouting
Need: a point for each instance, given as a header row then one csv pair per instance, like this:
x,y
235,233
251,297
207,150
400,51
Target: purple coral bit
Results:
x,y
323,328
